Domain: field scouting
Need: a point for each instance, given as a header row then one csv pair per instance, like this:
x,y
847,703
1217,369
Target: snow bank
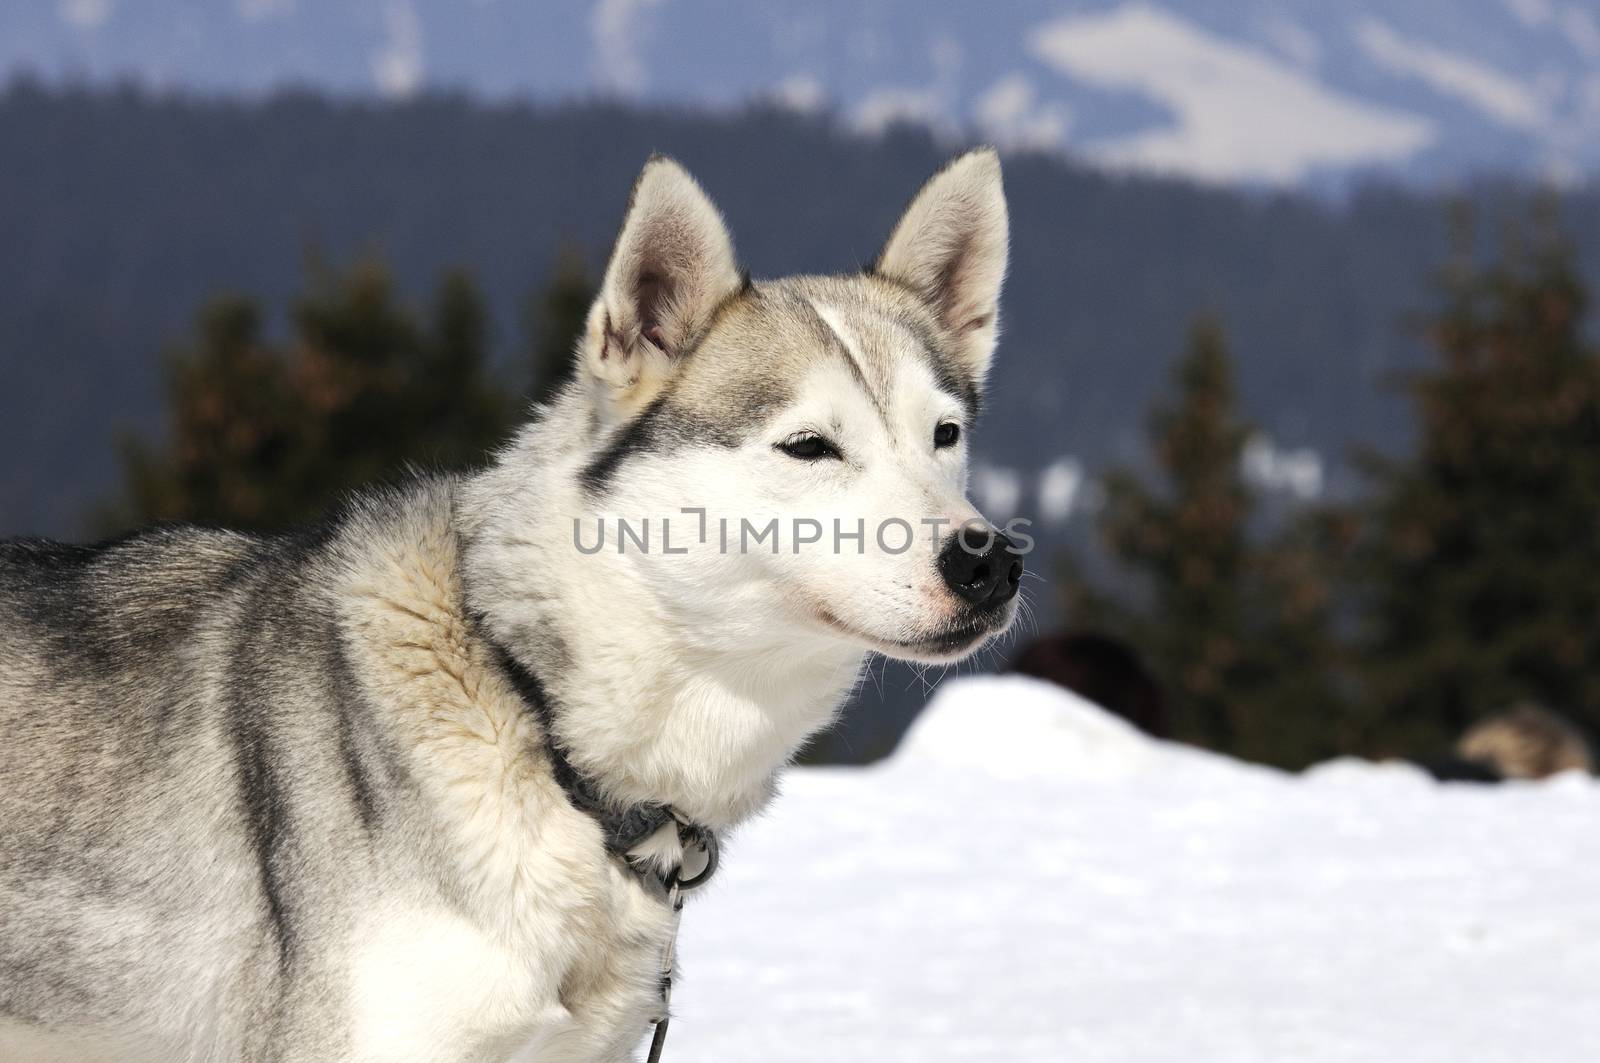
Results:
x,y
1031,879
1015,727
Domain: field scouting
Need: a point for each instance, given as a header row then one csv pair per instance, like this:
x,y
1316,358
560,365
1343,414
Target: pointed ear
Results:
x,y
672,264
950,248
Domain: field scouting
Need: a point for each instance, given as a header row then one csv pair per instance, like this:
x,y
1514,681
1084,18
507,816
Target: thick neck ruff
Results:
x,y
623,829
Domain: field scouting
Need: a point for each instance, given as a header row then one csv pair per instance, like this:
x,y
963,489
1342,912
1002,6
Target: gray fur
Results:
x,y
278,798
193,751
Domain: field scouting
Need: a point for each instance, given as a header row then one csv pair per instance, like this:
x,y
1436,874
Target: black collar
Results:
x,y
622,828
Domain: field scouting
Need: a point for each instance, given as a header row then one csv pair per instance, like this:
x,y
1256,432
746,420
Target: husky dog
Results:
x,y
374,791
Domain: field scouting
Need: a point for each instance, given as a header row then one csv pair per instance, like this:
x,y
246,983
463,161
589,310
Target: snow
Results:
x,y
1239,114
885,107
1031,879
998,488
1498,96
801,93
1061,489
615,29
397,64
1273,468
1267,91
85,14
1009,114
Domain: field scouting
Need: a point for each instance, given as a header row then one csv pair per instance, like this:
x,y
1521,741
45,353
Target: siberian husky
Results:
x,y
420,783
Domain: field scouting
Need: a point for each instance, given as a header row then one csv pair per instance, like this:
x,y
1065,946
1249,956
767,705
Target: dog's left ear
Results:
x,y
672,265
950,247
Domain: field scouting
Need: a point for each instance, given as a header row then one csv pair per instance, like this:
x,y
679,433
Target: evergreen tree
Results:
x,y
264,436
1480,571
233,440
555,319
1230,624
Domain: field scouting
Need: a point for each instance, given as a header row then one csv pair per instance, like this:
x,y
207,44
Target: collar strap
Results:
x,y
622,828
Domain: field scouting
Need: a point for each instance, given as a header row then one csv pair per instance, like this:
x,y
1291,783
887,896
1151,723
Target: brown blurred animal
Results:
x,y
1526,742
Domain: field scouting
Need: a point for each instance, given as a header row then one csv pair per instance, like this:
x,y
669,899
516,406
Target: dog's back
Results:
x,y
111,755
134,787
229,822
165,711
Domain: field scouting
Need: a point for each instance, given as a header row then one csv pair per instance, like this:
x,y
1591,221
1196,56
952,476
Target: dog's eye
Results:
x,y
946,435
808,446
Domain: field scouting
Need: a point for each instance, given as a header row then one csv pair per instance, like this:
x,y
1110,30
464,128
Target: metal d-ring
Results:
x,y
691,836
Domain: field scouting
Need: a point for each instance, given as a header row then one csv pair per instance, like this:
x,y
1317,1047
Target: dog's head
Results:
x,y
803,442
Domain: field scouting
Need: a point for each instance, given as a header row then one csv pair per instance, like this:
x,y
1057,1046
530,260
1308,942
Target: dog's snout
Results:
x,y
982,566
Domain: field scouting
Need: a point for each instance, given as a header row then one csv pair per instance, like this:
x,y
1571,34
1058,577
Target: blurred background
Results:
x,y
1298,381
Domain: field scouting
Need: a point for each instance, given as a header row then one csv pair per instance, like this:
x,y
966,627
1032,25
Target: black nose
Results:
x,y
982,566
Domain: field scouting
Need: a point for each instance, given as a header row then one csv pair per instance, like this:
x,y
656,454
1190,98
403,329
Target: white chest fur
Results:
x,y
425,978
429,985
548,942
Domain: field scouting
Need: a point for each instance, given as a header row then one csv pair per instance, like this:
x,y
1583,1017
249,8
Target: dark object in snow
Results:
x,y
1527,742
1450,768
1103,669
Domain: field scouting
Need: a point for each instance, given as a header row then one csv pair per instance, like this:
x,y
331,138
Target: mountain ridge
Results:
x,y
125,211
1288,93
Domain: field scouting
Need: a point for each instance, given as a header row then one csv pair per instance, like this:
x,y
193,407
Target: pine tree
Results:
x,y
1232,625
233,440
555,319
1481,566
266,436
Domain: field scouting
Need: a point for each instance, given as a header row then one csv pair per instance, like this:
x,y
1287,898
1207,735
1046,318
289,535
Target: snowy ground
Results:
x,y
1030,880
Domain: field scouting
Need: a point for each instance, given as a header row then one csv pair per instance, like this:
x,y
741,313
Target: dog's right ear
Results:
x,y
672,265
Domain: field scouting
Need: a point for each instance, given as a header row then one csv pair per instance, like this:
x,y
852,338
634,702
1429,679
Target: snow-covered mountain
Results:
x,y
1281,92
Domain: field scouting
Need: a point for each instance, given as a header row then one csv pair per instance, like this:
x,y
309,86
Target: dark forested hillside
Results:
x,y
121,212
